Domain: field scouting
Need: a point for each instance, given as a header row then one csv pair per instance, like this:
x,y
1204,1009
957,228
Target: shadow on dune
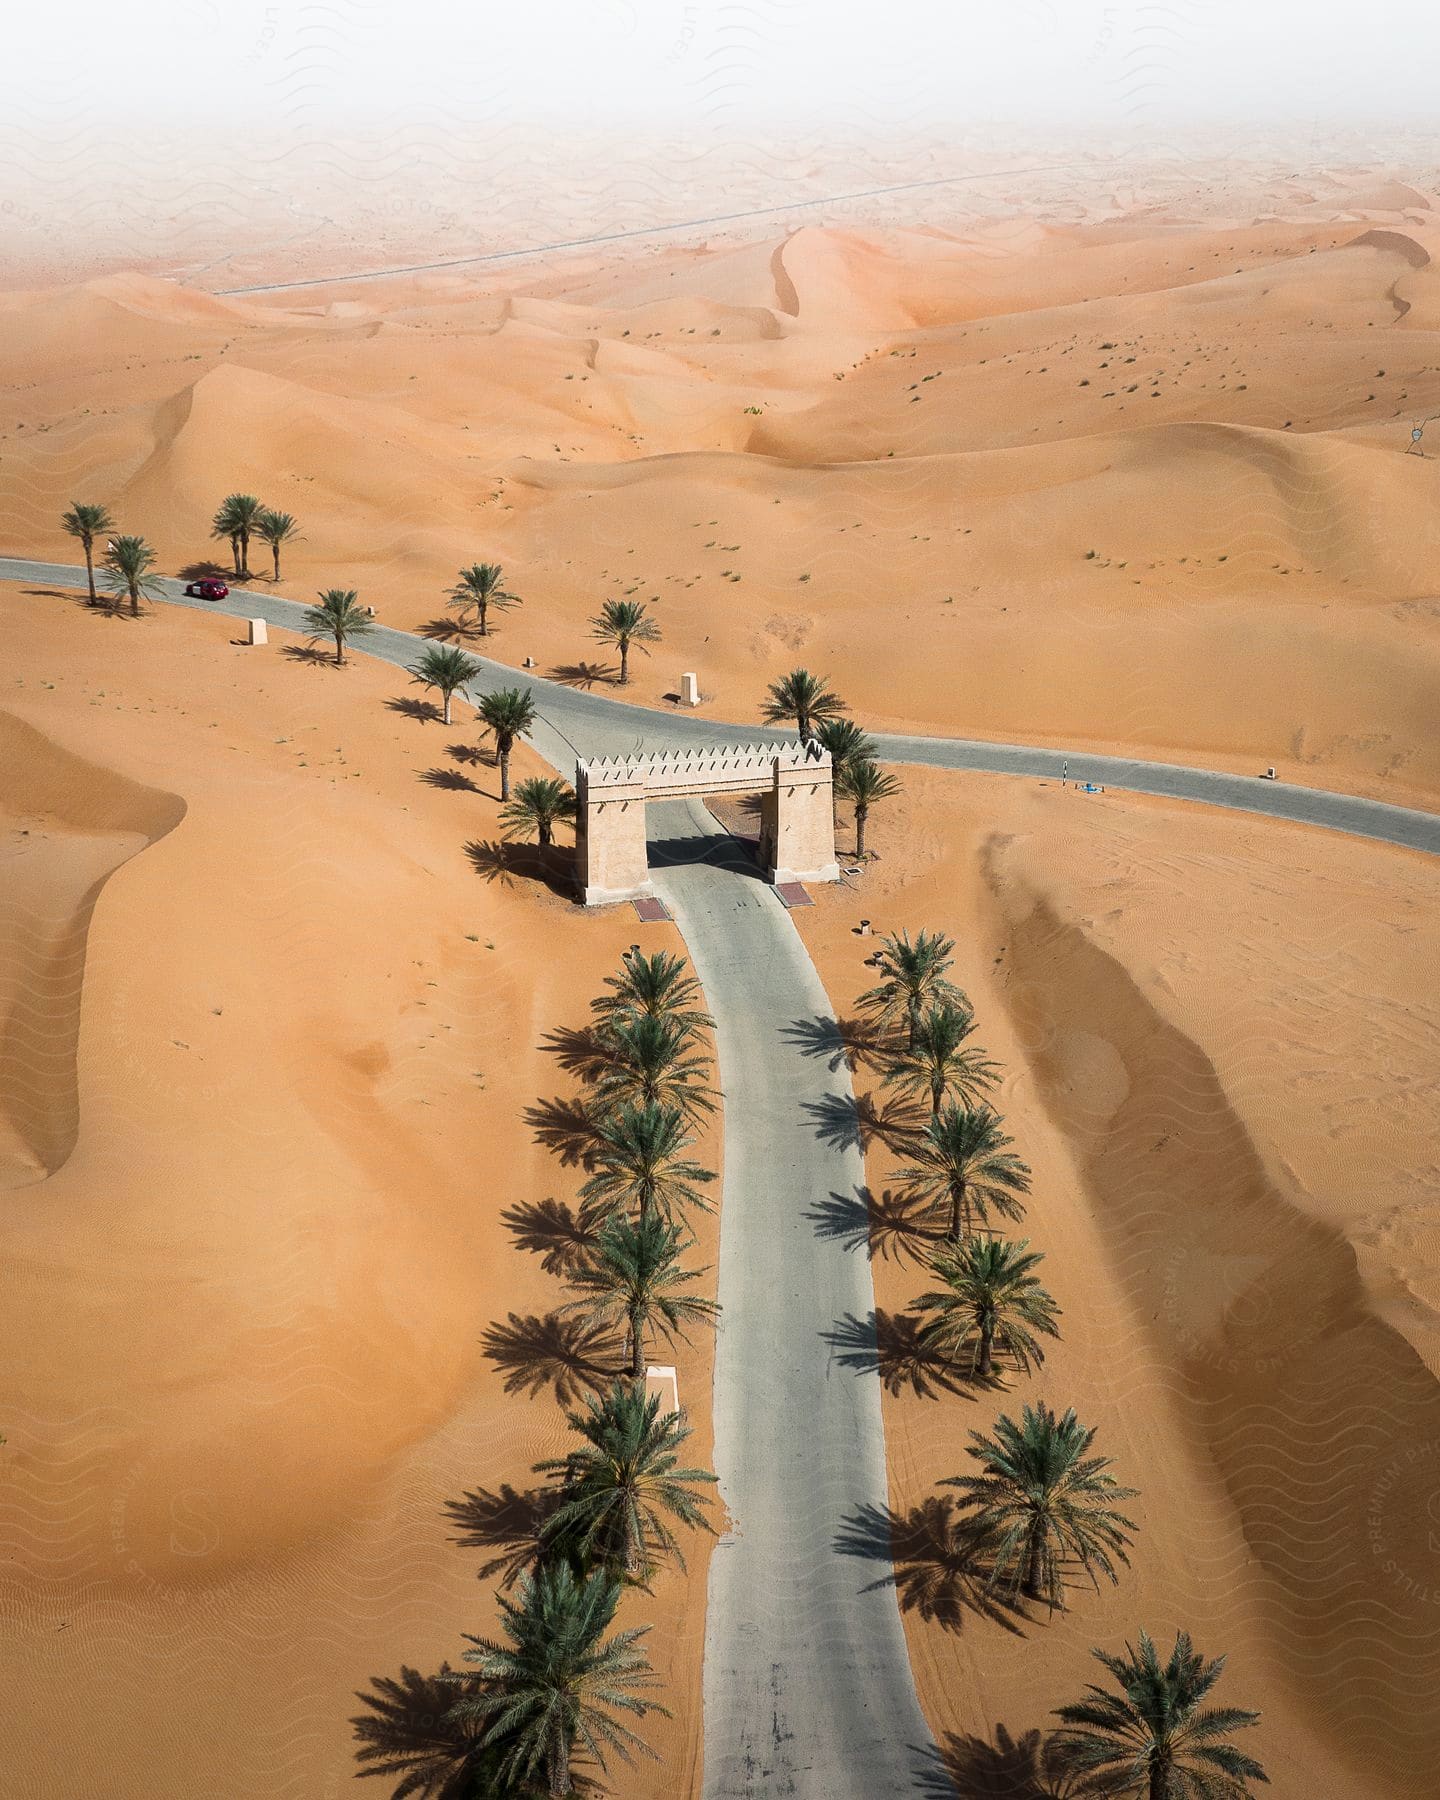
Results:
x,y
505,1520
935,1568
510,864
97,820
311,654
555,1351
455,781
551,1230
582,1053
565,1127
423,711
1315,1410
998,1768
890,1345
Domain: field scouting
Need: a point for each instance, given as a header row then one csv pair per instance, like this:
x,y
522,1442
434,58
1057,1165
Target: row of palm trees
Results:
x,y
480,590
558,1682
1038,1504
241,517
128,563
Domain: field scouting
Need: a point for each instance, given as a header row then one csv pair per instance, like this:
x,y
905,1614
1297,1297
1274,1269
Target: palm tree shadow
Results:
x,y
424,711
510,864
556,1351
844,1043
839,1121
1005,1768
409,1737
553,1230
311,654
582,674
452,779
565,1127
506,1520
459,631
895,1225
582,1053
472,756
934,1563
891,1346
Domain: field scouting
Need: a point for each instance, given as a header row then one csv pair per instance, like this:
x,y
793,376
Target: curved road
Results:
x,y
576,722
807,1683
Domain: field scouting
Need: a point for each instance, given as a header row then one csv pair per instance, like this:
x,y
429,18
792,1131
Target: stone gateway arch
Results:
x,y
797,818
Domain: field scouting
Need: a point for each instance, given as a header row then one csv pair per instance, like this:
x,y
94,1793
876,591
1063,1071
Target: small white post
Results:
x,y
689,691
258,634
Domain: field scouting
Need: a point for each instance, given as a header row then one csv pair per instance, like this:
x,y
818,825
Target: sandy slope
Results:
x,y
1221,1041
1022,479
269,1039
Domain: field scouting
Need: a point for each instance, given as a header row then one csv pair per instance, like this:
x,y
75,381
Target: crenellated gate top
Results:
x,y
716,769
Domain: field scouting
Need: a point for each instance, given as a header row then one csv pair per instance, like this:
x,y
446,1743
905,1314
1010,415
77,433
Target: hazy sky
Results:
x,y
884,63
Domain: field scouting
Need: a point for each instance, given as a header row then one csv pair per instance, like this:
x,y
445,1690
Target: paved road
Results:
x,y
808,1691
576,722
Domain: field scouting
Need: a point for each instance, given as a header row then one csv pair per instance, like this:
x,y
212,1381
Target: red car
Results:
x,y
207,590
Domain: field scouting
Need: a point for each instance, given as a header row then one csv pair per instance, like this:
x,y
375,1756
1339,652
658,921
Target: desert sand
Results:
x,y
997,476
270,1040
1126,470
1221,1044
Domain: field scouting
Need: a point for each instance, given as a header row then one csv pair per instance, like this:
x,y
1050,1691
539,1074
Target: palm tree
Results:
x,y
479,586
652,1059
623,623
991,1296
636,1274
128,562
640,1161
237,518
510,713
962,1159
938,1060
804,698
1155,1739
538,806
1041,1501
411,1738
913,977
559,1679
847,743
654,987
87,523
277,528
863,783
620,1485
339,615
446,668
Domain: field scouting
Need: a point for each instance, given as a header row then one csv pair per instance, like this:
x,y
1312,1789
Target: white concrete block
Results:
x,y
689,691
258,634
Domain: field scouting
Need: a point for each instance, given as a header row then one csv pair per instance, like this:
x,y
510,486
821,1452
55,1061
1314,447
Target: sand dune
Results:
x,y
269,1041
1221,1043
1063,463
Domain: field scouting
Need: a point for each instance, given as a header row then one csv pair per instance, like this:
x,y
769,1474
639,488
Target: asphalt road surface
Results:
x,y
808,1691
579,722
